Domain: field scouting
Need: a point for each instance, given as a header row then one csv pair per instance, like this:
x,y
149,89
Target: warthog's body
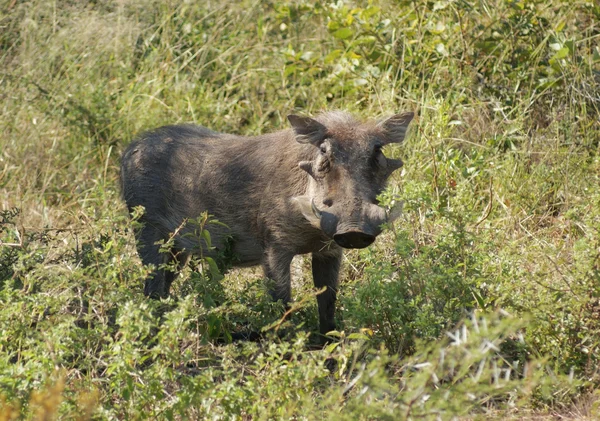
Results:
x,y
310,189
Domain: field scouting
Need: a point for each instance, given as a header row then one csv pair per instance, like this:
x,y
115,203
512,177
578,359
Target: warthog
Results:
x,y
309,189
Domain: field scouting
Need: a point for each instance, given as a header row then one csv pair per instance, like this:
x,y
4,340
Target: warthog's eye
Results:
x,y
377,157
323,148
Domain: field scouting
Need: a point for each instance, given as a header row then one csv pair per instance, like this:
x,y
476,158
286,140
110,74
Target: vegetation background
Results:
x,y
482,302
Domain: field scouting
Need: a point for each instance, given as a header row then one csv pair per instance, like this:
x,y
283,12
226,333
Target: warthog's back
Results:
x,y
160,166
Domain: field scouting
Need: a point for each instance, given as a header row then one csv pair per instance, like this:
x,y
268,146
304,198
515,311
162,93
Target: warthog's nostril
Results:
x,y
354,239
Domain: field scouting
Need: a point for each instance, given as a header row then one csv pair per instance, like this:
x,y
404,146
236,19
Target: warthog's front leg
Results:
x,y
158,283
326,269
276,266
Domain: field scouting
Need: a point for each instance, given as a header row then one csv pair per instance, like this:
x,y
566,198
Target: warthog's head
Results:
x,y
347,173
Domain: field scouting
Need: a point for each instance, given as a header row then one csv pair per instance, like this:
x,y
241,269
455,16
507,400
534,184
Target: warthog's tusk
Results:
x,y
394,211
315,210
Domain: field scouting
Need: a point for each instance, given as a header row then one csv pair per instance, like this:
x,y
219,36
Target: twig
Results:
x,y
3,244
353,382
435,175
293,308
489,206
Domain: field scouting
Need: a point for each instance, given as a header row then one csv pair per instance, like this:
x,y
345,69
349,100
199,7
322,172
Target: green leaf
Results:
x,y
334,334
331,347
562,53
332,56
332,25
370,11
206,236
343,33
479,298
364,40
560,26
214,325
570,45
213,269
208,301
289,70
357,335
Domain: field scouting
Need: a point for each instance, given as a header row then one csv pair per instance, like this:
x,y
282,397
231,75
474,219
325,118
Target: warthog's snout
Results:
x,y
360,232
356,229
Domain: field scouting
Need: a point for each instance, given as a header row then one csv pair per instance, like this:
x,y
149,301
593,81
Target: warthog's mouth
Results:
x,y
354,239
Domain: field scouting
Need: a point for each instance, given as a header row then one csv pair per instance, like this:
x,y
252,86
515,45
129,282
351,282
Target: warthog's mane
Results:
x,y
344,126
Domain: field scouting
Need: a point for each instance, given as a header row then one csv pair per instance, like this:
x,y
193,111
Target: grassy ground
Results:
x,y
483,301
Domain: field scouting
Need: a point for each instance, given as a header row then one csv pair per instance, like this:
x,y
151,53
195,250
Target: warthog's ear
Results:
x,y
395,127
393,165
307,129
